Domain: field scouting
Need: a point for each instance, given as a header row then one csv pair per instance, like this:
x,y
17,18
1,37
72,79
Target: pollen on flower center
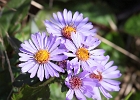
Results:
x,y
82,54
95,76
66,31
75,82
42,56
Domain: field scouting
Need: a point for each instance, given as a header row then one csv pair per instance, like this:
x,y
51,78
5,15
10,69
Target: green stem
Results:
x,y
47,82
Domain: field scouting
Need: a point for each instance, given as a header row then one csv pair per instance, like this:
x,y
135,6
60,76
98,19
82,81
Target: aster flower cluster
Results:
x,y
70,48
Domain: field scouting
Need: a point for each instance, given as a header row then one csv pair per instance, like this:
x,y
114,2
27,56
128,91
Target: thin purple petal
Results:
x,y
69,94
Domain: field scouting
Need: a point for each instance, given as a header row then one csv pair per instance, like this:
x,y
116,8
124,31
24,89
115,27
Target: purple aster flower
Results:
x,y
63,64
105,75
37,55
64,23
82,50
78,84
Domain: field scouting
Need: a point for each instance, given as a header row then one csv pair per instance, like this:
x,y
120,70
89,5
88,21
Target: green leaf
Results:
x,y
41,16
132,25
135,96
64,88
24,79
14,42
24,33
14,28
21,11
128,96
98,12
55,92
5,84
32,93
13,14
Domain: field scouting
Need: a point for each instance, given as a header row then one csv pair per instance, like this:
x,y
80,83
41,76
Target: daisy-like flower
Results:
x,y
78,84
82,49
37,55
64,23
105,75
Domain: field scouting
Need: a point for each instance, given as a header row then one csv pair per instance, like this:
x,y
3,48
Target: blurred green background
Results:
x,y
118,25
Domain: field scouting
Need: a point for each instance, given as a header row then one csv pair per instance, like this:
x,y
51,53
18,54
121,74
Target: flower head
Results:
x,y
78,84
37,55
82,50
64,23
105,75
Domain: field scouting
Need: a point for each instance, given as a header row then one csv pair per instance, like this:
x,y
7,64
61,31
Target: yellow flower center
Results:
x,y
42,56
66,31
82,54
